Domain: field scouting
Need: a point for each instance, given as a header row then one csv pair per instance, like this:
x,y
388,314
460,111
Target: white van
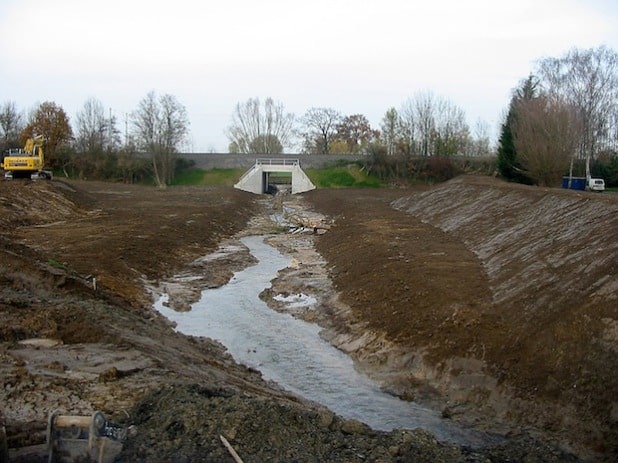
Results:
x,y
596,184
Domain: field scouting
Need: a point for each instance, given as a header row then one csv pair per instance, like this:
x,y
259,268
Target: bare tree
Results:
x,y
96,141
11,125
587,80
160,128
94,132
451,134
546,132
257,128
407,128
320,129
390,131
424,120
432,125
480,144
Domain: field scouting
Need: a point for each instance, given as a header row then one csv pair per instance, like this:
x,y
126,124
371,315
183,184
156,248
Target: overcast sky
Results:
x,y
355,56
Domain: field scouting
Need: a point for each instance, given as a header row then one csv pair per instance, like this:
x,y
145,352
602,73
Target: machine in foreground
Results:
x,y
28,162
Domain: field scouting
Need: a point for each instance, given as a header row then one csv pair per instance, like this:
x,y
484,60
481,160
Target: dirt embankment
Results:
x,y
77,330
417,306
493,300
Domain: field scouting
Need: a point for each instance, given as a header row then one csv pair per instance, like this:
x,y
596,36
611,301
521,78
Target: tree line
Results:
x,y
562,119
425,125
93,147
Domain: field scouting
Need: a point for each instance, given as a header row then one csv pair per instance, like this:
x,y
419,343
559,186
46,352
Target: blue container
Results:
x,y
577,183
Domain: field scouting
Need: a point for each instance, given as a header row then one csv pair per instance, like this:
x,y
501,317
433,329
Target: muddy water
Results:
x,y
292,353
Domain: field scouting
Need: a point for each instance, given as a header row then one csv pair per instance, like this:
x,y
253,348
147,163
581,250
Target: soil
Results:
x,y
495,303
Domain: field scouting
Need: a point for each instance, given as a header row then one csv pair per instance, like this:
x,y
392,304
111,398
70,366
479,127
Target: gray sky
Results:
x,y
356,56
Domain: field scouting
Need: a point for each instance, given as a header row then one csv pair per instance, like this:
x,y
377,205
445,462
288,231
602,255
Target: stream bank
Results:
x,y
306,278
291,352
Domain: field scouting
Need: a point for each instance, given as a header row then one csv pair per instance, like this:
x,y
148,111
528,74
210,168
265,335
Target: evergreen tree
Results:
x,y
507,157
507,162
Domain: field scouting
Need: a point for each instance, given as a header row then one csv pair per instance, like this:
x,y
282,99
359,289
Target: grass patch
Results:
x,y
348,176
213,177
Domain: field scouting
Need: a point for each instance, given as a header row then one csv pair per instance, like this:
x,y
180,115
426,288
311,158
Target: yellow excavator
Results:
x,y
27,162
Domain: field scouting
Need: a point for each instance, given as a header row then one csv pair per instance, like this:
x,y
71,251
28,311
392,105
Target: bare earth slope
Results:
x,y
453,295
551,260
496,298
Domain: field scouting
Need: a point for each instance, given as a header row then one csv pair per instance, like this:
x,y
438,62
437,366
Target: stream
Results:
x,y
291,352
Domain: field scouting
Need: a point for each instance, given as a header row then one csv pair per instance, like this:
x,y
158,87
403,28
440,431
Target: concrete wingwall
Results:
x,y
255,180
208,161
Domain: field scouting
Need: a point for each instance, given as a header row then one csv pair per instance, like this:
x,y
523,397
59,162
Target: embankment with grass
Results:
x,y
345,175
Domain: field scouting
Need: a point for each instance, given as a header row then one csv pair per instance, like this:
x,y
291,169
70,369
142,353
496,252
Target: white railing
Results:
x,y
277,162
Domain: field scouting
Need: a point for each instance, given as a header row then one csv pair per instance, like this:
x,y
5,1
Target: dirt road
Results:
x,y
410,292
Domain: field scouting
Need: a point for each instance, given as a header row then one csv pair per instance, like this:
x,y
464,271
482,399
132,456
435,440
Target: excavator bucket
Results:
x,y
83,438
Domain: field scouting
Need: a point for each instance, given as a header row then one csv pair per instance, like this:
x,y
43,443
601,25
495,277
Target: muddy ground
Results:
x,y
494,303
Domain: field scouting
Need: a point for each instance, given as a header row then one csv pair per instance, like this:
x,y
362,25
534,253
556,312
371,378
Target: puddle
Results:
x,y
291,352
